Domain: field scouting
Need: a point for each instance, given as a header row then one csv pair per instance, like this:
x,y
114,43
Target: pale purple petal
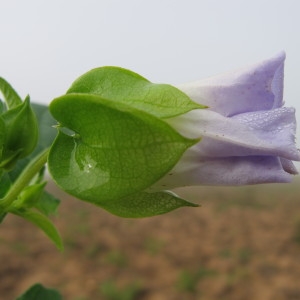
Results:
x,y
247,136
224,171
270,133
288,166
255,88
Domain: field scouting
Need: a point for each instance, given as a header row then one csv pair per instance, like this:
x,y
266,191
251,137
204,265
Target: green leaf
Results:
x,y
11,98
47,204
29,196
42,222
18,168
121,85
2,216
2,136
2,107
21,133
10,159
144,204
116,150
5,184
39,292
46,138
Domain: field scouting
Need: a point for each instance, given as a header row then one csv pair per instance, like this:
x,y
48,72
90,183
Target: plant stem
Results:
x,y
23,180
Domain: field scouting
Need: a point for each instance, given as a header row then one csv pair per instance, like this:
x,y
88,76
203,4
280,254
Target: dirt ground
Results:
x,y
242,243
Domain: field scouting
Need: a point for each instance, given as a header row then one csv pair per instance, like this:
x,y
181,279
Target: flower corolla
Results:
x,y
247,134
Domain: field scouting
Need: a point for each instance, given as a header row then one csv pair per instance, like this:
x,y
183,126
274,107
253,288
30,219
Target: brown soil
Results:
x,y
243,243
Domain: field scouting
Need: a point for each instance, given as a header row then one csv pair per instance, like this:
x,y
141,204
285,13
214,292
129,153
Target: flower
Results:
x,y
247,135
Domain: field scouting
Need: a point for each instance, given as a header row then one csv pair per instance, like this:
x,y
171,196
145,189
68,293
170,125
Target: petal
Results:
x,y
270,133
288,166
258,87
224,171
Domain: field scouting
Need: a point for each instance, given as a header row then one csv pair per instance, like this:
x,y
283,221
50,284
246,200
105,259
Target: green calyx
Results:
x,y
116,150
144,204
124,86
113,142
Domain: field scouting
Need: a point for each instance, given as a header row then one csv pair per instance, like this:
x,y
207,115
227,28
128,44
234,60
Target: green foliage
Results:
x,y
39,292
42,222
46,137
29,196
22,162
141,205
153,246
115,151
5,184
20,134
10,95
111,291
112,145
124,86
188,280
2,216
47,132
116,258
18,127
47,204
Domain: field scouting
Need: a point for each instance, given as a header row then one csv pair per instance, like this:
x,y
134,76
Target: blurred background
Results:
x,y
45,45
243,243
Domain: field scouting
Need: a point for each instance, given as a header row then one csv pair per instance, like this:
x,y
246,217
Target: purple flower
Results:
x,y
248,136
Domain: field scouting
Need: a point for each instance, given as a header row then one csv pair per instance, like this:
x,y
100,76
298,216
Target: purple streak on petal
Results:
x,y
255,88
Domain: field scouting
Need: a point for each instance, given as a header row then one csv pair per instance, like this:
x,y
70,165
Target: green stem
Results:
x,y
23,180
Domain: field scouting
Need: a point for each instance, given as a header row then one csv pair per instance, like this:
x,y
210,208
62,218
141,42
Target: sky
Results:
x,y
46,45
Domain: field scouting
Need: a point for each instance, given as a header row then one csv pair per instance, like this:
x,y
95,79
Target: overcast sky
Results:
x,y
45,45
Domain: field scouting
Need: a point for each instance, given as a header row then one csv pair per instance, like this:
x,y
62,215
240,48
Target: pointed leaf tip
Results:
x,y
145,204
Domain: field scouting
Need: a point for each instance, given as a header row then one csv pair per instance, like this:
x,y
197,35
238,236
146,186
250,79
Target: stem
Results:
x,y
23,180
